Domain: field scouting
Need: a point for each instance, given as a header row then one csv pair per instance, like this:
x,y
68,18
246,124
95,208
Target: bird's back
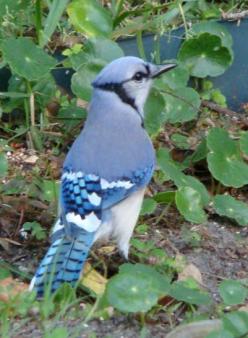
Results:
x,y
112,144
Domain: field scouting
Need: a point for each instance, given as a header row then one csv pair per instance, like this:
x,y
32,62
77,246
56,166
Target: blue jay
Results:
x,y
104,174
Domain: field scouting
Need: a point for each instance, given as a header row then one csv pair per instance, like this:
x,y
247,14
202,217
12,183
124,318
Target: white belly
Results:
x,y
124,216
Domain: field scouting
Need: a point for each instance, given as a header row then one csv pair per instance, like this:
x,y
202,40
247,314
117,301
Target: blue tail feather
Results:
x,y
62,263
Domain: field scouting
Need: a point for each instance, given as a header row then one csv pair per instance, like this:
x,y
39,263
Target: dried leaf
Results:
x,y
31,159
190,270
10,287
93,280
106,250
244,308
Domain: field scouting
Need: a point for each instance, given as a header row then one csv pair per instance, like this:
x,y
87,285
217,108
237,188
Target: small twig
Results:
x,y
234,16
163,213
19,222
214,106
184,19
225,111
32,109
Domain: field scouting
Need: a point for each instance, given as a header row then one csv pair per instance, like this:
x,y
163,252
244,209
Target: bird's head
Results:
x,y
130,78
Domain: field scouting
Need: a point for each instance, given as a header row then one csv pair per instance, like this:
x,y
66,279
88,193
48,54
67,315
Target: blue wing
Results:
x,y
84,201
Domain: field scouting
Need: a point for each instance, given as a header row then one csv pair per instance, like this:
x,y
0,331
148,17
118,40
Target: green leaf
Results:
x,y
165,197
36,229
189,203
214,28
176,78
31,62
82,79
148,207
182,105
199,154
4,273
180,141
218,97
90,18
8,7
244,142
45,90
236,323
224,159
13,95
101,49
3,165
181,180
228,206
182,292
220,334
50,190
55,12
104,49
232,292
136,288
58,332
154,112
204,55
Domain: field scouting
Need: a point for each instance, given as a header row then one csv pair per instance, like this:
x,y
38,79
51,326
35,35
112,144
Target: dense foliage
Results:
x,y
40,38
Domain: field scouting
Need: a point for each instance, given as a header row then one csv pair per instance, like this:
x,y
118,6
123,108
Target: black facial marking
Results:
x,y
119,90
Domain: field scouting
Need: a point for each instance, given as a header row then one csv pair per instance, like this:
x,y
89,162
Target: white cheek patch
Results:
x,y
89,223
115,184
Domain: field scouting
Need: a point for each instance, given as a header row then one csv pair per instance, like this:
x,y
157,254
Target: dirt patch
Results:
x,y
222,253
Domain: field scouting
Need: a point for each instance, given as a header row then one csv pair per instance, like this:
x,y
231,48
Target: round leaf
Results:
x,y
232,292
172,170
30,62
149,206
224,159
154,114
136,288
90,17
180,141
165,197
214,28
244,143
204,55
96,48
189,204
175,78
228,206
236,323
82,79
182,105
180,291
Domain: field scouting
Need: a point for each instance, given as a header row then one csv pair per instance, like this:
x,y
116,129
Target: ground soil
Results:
x,y
222,253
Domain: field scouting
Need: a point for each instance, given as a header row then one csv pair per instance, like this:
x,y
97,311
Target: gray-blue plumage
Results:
x,y
124,147
104,174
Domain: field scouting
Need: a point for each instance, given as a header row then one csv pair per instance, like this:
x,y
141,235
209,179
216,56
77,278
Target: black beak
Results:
x,y
157,70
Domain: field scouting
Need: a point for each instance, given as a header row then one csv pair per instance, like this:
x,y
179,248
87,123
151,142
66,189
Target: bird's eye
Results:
x,y
138,77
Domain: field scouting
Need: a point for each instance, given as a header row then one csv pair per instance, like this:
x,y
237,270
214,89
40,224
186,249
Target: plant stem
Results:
x,y
140,45
32,109
142,319
26,108
184,19
38,19
157,48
